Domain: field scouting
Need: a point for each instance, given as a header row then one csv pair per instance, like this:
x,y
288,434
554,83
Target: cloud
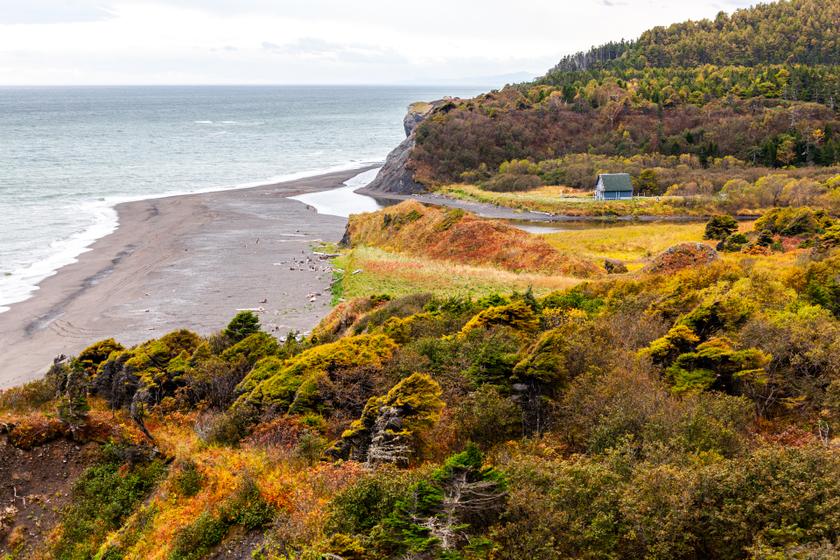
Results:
x,y
316,48
53,11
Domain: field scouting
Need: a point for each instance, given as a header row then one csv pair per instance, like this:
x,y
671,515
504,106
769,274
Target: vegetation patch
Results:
x,y
415,229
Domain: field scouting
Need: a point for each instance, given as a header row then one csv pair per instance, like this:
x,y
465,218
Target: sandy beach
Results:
x,y
181,262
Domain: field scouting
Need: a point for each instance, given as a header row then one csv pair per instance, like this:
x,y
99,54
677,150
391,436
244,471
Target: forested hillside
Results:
x,y
789,32
761,86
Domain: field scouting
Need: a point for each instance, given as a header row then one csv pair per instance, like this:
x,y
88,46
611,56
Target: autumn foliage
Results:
x,y
454,235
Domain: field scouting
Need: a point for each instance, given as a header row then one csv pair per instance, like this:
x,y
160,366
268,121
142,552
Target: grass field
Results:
x,y
382,272
633,244
379,271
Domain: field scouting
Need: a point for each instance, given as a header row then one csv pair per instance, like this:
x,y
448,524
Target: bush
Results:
x,y
720,227
364,504
228,428
187,479
198,539
510,182
102,498
486,418
29,396
244,324
95,354
789,222
733,243
245,507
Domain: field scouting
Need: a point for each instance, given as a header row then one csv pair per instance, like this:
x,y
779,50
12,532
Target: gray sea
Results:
x,y
69,154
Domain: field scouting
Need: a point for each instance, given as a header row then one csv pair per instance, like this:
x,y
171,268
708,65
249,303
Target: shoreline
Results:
x,y
106,225
182,261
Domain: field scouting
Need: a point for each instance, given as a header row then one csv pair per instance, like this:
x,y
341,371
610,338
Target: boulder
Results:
x,y
682,256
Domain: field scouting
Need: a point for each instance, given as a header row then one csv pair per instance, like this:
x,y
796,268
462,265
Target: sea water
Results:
x,y
69,154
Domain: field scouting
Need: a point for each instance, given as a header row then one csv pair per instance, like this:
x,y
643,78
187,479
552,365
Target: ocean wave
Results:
x,y
230,123
19,284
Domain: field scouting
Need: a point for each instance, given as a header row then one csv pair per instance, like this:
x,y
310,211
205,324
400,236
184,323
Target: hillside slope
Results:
x,y
761,86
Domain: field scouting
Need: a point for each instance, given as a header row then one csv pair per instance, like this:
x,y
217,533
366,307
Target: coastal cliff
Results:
x,y
396,177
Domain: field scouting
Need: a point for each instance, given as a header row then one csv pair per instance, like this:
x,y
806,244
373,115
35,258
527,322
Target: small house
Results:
x,y
613,186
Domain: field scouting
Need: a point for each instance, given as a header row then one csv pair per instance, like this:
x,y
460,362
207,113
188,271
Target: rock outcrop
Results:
x,y
396,177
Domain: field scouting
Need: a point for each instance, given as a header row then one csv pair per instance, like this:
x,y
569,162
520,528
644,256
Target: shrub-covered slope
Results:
x,y
686,411
454,235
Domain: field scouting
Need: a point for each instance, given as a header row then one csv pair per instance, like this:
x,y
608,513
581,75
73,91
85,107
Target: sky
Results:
x,y
122,42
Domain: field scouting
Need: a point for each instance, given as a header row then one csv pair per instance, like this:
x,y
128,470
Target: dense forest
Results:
x,y
788,32
710,89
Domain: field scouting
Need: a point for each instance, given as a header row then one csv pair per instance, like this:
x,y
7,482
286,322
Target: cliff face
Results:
x,y
395,177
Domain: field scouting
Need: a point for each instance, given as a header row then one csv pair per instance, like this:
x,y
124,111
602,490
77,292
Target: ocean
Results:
x,y
68,155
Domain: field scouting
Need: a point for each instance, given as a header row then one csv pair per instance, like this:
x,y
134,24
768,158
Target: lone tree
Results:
x,y
459,499
391,427
720,227
242,326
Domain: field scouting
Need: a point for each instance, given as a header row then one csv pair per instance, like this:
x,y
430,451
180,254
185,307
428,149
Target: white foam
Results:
x,y
24,281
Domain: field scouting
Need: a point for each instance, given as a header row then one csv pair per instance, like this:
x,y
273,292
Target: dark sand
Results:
x,y
181,262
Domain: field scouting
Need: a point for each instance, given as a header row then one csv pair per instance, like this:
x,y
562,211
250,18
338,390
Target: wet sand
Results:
x,y
181,262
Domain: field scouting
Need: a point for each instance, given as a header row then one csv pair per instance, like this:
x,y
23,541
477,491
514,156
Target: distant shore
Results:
x,y
185,261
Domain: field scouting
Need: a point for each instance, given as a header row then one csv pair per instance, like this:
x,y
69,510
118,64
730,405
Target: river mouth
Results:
x,y
343,201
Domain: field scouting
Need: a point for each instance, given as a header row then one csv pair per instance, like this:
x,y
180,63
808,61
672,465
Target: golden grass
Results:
x,y
633,244
459,237
399,275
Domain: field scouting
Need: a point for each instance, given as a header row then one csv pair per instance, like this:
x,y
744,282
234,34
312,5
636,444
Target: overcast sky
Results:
x,y
312,41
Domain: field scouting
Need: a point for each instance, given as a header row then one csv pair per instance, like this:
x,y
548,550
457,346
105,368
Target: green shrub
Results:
x,y
716,364
102,498
486,418
575,298
789,222
733,243
720,227
364,504
199,538
253,348
310,447
246,508
187,479
243,325
822,284
96,353
518,316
